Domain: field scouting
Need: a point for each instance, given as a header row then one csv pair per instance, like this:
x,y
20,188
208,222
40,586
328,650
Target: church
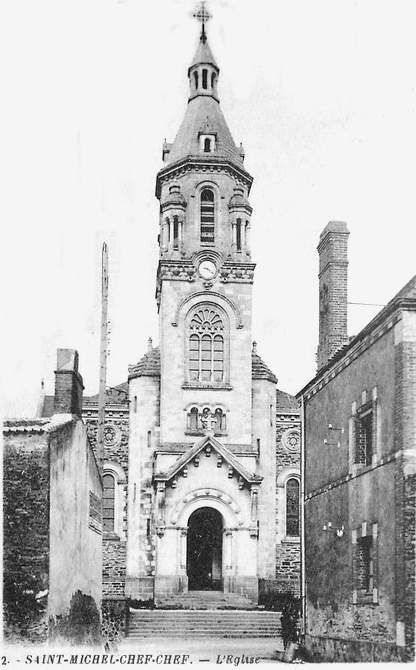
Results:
x,y
201,473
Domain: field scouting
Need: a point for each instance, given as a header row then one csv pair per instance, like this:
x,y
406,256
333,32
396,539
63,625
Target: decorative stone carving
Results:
x,y
244,274
291,439
112,435
208,421
184,271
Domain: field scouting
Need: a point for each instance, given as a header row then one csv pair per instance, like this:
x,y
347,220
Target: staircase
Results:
x,y
207,615
206,600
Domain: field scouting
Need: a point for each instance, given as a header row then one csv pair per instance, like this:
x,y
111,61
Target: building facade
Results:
x,y
359,474
201,483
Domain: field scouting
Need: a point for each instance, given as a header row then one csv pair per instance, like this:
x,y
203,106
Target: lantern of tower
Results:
x,y
240,216
172,221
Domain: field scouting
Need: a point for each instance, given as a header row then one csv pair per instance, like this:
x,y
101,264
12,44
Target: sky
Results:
x,y
320,92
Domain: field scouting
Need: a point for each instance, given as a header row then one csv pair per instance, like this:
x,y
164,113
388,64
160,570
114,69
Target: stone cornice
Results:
x,y
201,165
208,443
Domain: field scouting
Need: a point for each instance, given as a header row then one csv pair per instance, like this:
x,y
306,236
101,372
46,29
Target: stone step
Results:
x,y
198,615
205,623
203,600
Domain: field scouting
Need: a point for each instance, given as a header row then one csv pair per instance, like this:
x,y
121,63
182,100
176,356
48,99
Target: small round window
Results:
x,y
291,439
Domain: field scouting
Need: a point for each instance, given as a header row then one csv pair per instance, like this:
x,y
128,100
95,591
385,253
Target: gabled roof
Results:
x,y
286,403
208,440
404,299
113,394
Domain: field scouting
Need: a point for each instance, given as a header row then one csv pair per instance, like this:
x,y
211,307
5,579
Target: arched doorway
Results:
x,y
204,550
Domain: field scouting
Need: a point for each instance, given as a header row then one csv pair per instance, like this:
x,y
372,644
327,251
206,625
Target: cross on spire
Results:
x,y
203,16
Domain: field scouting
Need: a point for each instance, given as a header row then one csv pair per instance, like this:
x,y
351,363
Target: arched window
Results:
x,y
108,503
238,234
206,346
193,419
196,79
220,420
175,233
292,507
212,80
204,78
207,145
207,216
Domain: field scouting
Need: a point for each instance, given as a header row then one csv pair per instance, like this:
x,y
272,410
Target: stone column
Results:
x,y
247,240
171,232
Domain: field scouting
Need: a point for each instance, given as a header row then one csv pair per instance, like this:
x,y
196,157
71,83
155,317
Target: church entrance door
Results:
x,y
204,550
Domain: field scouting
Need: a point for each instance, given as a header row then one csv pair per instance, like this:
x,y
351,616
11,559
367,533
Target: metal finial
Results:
x,y
150,344
203,16
254,347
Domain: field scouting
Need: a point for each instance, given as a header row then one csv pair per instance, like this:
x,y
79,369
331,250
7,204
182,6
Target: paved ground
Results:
x,y
228,652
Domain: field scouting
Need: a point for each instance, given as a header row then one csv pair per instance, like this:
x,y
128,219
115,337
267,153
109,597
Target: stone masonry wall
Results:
x,y
26,536
405,440
287,549
288,568
409,541
116,446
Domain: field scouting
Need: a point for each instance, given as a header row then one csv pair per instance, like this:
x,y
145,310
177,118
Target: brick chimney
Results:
x,y
333,264
68,383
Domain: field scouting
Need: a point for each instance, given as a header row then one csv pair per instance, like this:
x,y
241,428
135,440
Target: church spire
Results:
x,y
203,71
203,16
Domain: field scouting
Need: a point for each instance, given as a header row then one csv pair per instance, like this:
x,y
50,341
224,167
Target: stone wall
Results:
x,y
321,649
25,536
264,413
288,567
52,533
287,464
116,450
409,541
75,536
114,567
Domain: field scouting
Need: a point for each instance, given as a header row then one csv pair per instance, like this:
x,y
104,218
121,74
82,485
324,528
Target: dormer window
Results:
x,y
207,143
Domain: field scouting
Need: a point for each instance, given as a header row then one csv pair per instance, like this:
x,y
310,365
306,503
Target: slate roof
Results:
x,y
148,366
186,142
114,394
259,369
48,405
203,55
286,403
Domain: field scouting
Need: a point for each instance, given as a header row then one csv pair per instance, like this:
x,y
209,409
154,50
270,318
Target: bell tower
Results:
x,y
202,405
205,272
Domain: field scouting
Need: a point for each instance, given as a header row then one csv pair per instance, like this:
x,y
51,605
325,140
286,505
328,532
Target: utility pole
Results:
x,y
103,358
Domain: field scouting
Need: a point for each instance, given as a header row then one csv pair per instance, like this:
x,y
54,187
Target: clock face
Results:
x,y
207,269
